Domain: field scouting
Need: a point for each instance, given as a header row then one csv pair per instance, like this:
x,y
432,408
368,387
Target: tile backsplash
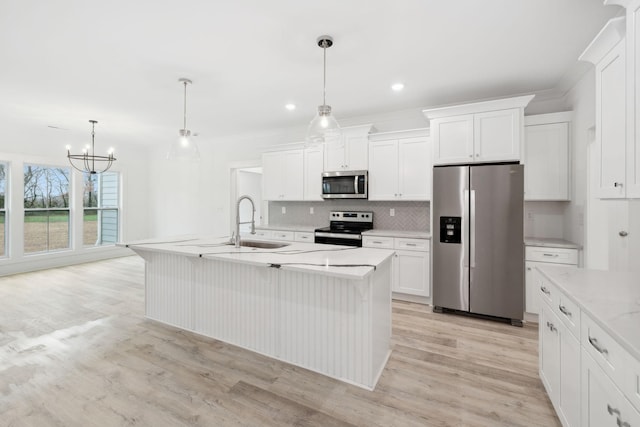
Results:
x,y
407,215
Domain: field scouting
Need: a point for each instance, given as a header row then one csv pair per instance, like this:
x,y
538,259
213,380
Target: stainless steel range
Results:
x,y
345,228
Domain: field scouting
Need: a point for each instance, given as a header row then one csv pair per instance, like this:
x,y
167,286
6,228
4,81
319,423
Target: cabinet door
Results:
x,y
633,114
549,352
334,157
452,139
497,135
546,156
293,175
602,403
569,379
313,167
610,123
415,169
383,170
411,273
272,176
356,152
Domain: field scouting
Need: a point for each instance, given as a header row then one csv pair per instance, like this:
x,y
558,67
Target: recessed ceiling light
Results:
x,y
290,107
397,87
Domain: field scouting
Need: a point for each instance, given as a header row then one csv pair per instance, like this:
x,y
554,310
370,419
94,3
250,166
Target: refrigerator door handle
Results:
x,y
465,231
472,228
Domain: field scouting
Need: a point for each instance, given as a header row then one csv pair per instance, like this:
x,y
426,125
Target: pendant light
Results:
x,y
184,147
323,128
88,161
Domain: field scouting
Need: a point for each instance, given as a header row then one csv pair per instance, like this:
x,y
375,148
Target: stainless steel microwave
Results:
x,y
345,185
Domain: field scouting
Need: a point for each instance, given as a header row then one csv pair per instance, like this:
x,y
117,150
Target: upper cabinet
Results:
x,y
546,156
313,165
400,166
489,131
615,52
283,175
351,153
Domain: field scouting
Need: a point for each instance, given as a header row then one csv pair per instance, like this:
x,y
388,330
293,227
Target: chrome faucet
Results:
x,y
253,221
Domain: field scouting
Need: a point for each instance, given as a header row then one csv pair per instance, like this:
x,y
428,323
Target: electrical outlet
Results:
x,y
311,210
284,210
392,212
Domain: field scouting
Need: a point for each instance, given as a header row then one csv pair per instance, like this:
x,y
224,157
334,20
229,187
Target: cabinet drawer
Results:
x,y
551,255
569,313
412,244
604,350
304,236
377,242
263,234
282,235
546,291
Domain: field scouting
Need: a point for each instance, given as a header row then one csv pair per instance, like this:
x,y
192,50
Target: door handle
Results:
x,y
355,184
472,226
623,233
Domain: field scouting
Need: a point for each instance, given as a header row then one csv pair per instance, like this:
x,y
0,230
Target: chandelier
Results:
x,y
88,161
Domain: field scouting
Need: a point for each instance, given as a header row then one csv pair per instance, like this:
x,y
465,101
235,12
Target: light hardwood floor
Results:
x,y
76,350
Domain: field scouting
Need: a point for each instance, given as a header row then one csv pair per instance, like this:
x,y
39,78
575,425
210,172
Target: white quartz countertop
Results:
x,y
303,228
550,242
398,233
333,260
612,299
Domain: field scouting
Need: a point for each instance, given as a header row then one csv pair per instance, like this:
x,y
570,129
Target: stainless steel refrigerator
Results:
x,y
478,244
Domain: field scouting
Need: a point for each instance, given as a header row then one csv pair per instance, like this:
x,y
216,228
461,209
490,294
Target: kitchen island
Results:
x,y
326,308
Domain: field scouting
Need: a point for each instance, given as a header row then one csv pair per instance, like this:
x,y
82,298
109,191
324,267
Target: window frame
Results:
x,y
100,209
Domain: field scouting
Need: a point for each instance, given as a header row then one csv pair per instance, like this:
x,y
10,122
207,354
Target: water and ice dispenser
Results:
x,y
450,229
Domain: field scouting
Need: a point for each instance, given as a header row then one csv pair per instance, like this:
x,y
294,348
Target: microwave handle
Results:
x,y
355,184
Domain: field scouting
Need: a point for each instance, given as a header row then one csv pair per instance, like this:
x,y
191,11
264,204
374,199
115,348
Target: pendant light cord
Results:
x,y
324,77
185,106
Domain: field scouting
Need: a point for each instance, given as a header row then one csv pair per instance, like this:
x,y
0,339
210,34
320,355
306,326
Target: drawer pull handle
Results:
x,y
612,410
594,343
551,326
551,255
377,242
564,310
545,290
410,244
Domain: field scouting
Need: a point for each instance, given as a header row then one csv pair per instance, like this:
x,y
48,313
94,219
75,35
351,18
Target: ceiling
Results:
x,y
67,61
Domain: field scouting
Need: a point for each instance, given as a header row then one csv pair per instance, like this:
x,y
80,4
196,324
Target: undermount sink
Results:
x,y
262,245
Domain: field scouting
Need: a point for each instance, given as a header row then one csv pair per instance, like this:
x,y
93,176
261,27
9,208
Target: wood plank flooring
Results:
x,y
76,350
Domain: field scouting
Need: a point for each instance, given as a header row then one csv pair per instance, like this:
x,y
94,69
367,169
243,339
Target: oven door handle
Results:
x,y
339,235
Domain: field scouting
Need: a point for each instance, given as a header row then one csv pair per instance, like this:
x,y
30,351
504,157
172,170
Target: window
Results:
x,y
100,202
3,209
46,208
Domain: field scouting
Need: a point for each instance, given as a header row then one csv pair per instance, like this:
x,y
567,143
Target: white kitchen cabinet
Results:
x,y
540,256
633,98
559,355
410,266
313,168
546,157
603,404
607,53
489,131
283,175
400,166
351,153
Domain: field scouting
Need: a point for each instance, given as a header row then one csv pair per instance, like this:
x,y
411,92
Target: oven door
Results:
x,y
345,185
343,239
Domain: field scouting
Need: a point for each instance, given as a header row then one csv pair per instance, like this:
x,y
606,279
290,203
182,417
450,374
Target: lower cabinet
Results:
x,y
539,256
590,378
559,355
603,404
411,263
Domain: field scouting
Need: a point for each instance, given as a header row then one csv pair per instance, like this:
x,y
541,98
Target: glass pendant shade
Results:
x,y
323,128
184,147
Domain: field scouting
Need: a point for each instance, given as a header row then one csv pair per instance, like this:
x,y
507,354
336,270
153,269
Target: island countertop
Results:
x,y
333,260
611,299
